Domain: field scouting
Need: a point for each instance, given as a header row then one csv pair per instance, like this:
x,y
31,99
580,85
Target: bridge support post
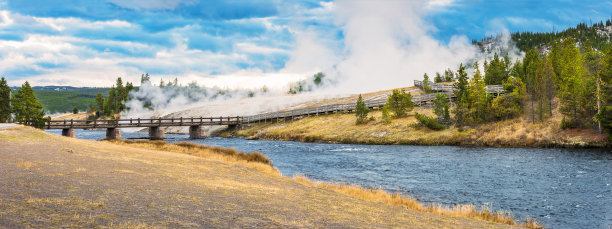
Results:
x,y
197,132
156,133
113,134
68,132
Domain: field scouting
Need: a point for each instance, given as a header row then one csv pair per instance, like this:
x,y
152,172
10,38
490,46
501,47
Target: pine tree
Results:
x,y
593,97
426,86
441,106
5,101
386,116
449,76
26,108
544,90
111,101
477,97
438,78
100,102
530,64
571,83
361,111
400,103
461,96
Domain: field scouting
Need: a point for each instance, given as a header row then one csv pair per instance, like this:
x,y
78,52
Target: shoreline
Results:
x,y
340,129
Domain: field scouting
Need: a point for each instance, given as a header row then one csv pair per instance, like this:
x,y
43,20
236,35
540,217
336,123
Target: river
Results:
x,y
561,188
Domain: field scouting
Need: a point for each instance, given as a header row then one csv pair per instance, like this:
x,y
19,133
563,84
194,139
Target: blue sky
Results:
x,y
227,43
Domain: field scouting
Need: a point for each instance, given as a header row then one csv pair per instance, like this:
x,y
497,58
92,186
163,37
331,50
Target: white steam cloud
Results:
x,y
386,44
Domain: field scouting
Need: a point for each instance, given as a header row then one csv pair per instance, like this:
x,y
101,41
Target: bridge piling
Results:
x,y
197,132
156,133
68,132
113,134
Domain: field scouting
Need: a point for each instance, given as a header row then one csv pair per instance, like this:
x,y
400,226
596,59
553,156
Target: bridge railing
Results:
x,y
138,122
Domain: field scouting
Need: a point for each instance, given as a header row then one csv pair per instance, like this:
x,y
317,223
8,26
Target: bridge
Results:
x,y
196,124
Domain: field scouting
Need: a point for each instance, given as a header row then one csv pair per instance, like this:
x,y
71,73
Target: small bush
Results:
x,y
567,124
386,117
429,122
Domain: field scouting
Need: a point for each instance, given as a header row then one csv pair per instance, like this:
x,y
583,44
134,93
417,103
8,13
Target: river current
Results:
x,y
561,188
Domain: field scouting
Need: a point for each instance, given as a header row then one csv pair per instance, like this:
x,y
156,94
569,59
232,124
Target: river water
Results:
x,y
561,188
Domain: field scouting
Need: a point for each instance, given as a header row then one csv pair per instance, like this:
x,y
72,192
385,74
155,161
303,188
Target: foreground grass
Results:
x,y
341,128
53,181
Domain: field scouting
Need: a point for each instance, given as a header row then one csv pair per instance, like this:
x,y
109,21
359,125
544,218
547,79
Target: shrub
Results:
x,y
567,124
429,122
400,103
386,117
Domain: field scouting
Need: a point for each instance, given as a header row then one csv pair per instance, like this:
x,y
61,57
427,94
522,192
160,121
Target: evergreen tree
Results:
x,y
26,108
5,101
496,71
121,95
461,96
477,97
100,102
544,90
111,102
510,104
441,106
449,76
361,111
571,83
530,64
594,61
386,116
605,114
438,78
426,86
400,103
144,78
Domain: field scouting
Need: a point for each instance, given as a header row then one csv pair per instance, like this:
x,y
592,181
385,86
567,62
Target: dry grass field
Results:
x,y
52,181
341,128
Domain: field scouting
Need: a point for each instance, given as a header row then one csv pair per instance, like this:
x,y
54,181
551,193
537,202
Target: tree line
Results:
x,y
573,76
20,105
114,103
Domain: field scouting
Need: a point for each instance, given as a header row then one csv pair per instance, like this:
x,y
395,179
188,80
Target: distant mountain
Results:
x,y
598,34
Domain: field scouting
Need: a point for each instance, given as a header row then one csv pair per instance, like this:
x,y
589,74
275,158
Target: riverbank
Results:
x,y
54,181
341,128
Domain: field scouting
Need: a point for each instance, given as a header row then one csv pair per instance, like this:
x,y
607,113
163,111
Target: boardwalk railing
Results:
x,y
125,123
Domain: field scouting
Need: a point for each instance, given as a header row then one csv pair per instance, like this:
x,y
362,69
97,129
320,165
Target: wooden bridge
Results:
x,y
196,124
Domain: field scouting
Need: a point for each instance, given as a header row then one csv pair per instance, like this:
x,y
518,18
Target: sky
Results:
x,y
249,44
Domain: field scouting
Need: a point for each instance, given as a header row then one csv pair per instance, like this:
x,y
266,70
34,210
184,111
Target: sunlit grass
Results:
x,y
379,195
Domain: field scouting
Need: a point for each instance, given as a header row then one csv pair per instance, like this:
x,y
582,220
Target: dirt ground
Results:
x,y
51,181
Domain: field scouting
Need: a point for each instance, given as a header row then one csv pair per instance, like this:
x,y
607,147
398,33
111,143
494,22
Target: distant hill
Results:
x,y
64,99
598,34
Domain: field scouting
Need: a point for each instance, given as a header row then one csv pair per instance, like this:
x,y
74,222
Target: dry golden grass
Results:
x,y
379,195
221,186
341,128
255,159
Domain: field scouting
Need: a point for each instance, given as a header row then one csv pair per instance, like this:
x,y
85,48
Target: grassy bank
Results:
x,y
54,181
341,128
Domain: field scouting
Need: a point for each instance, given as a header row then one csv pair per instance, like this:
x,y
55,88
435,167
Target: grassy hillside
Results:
x,y
53,181
65,101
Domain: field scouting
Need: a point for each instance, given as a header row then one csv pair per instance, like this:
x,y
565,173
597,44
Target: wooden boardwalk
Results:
x,y
196,123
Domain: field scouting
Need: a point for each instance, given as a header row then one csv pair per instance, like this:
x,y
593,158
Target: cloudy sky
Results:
x,y
239,43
